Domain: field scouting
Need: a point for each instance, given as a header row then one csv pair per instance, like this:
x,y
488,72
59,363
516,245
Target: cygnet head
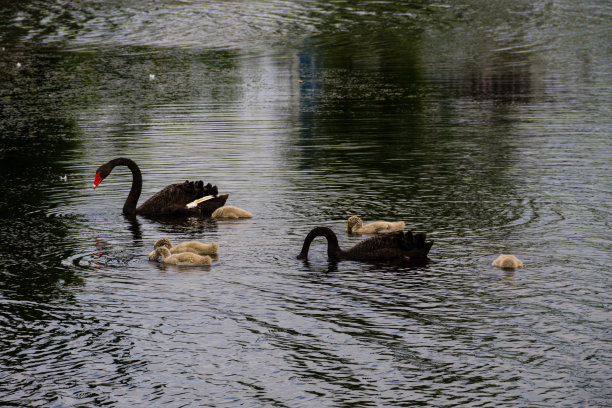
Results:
x,y
162,250
154,255
163,242
353,222
508,262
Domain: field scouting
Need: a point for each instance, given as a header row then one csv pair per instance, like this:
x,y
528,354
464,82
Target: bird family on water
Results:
x,y
193,198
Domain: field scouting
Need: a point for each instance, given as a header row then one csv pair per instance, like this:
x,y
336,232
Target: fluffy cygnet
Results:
x,y
181,259
229,211
508,262
355,226
190,246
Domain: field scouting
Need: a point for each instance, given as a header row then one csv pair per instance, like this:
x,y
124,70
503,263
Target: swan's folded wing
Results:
x,y
170,198
383,241
418,242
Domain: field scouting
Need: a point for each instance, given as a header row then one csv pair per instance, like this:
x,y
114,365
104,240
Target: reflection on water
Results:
x,y
484,125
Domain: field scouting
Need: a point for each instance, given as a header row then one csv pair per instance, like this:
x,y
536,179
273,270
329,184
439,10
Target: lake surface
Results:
x,y
485,125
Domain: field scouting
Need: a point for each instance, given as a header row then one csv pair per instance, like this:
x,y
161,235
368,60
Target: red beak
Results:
x,y
97,181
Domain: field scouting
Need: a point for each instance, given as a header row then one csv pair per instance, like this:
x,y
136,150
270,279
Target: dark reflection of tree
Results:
x,y
361,104
124,83
502,78
358,94
385,136
39,101
36,136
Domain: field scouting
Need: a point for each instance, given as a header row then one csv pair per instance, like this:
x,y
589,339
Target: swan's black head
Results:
x,y
103,171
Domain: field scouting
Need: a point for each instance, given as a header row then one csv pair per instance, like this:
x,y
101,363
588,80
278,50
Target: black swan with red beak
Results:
x,y
393,246
172,201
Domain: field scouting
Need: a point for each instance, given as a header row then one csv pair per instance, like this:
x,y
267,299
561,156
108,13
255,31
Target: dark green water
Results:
x,y
486,125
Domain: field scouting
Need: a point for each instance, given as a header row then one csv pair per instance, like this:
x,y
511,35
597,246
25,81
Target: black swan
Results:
x,y
402,246
173,200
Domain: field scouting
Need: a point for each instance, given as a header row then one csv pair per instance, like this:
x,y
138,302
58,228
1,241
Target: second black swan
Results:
x,y
172,200
401,246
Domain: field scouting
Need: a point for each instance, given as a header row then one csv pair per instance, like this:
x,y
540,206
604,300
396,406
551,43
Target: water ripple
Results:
x,y
484,126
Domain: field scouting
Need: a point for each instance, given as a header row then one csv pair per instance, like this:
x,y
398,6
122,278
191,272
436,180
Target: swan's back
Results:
x,y
392,240
173,199
394,245
380,247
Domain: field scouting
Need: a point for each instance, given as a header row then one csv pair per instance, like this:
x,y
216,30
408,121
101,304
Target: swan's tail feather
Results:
x,y
198,189
408,238
420,241
211,190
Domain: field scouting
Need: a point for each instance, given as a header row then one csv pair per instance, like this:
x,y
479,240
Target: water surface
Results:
x,y
488,127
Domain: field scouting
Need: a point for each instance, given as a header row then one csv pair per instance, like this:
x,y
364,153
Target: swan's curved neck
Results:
x,y
333,249
132,199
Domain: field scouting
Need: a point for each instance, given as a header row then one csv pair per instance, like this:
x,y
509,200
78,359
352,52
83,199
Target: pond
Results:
x,y
485,126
